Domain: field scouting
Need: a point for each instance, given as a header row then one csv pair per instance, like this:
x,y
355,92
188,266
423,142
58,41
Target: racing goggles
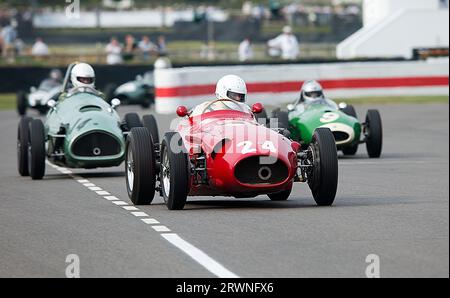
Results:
x,y
86,80
236,96
314,94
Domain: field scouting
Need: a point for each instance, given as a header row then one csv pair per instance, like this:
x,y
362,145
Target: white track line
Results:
x,y
130,208
193,252
150,221
161,228
103,193
95,188
120,203
199,256
140,214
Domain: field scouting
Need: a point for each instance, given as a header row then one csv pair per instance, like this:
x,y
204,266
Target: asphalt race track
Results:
x,y
396,207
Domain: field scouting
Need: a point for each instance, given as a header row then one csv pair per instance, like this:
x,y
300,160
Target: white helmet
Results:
x,y
231,87
311,91
162,63
56,74
83,75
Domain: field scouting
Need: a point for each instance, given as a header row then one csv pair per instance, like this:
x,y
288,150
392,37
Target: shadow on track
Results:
x,y
304,203
84,175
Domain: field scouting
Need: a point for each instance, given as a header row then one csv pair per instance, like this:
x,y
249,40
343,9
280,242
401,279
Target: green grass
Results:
x,y
7,101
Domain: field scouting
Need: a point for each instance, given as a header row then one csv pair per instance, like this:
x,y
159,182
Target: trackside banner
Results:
x,y
280,84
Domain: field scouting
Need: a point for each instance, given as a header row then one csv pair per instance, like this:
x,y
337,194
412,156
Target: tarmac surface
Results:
x,y
396,207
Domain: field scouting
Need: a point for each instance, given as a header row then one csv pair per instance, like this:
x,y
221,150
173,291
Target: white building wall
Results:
x,y
393,28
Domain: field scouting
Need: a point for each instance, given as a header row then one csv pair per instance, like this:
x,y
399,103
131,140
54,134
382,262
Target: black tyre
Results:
x,y
36,149
132,120
43,110
140,166
174,173
350,150
350,110
146,103
22,146
109,92
280,196
22,103
323,179
150,123
262,118
283,118
374,133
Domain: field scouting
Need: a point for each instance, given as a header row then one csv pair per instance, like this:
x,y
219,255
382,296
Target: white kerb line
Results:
x,y
199,256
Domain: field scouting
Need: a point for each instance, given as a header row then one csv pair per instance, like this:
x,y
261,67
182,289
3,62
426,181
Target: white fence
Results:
x,y
277,84
120,19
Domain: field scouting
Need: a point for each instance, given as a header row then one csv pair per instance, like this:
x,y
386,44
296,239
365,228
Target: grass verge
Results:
x,y
7,101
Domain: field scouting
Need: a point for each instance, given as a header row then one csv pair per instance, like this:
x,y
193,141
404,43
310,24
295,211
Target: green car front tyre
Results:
x,y
36,150
22,146
150,123
22,103
132,120
323,180
374,133
140,166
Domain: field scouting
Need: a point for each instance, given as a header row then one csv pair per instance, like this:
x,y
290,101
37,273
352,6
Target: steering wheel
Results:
x,y
215,101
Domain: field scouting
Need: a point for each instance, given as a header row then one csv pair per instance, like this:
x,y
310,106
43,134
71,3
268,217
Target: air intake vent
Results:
x,y
96,144
90,109
252,171
340,136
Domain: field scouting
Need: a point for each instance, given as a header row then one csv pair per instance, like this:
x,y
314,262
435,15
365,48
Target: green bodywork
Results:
x,y
141,91
78,115
304,119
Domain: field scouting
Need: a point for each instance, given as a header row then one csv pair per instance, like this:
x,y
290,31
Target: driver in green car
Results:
x,y
82,75
82,79
312,93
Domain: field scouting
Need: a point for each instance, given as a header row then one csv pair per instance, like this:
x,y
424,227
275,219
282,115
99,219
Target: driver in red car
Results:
x,y
231,93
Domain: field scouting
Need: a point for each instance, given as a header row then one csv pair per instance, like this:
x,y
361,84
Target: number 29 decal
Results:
x,y
248,147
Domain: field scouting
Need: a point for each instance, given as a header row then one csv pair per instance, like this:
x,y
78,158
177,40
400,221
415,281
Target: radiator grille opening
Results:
x,y
252,171
96,144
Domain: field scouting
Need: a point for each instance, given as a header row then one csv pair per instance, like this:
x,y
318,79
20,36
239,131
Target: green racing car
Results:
x,y
303,118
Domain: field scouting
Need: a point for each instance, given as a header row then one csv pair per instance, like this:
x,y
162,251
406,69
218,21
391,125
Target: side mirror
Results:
x,y
290,107
33,89
115,103
257,108
342,105
139,78
182,111
51,104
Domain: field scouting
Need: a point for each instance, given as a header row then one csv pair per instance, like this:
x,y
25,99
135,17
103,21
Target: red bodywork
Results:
x,y
225,138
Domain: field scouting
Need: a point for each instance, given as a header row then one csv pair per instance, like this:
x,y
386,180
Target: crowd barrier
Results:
x,y
280,84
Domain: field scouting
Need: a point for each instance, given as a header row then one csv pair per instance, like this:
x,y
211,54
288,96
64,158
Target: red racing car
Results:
x,y
226,152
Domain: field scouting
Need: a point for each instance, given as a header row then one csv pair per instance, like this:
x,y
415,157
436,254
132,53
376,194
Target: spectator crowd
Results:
x,y
145,49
